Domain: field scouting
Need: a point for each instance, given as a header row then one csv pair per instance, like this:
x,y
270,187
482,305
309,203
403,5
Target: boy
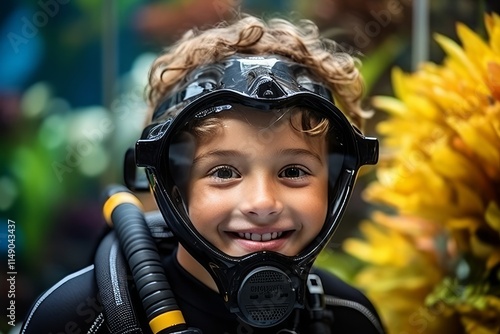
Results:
x,y
251,165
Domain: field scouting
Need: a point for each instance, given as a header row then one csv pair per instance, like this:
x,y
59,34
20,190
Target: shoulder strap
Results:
x,y
111,277
319,317
342,299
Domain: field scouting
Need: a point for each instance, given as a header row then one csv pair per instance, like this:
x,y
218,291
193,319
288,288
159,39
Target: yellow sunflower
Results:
x,y
433,265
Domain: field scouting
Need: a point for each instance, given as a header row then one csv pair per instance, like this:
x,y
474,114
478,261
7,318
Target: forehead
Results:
x,y
243,116
245,126
258,118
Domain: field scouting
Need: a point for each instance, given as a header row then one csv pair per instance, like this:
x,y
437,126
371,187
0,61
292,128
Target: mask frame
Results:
x,y
266,83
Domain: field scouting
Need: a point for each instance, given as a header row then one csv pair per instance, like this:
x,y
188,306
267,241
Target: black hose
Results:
x,y
123,211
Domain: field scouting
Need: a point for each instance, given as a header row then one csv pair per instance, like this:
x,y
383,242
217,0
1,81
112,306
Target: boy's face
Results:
x,y
259,184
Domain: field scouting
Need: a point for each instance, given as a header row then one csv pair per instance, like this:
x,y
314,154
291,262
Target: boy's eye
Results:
x,y
224,172
292,172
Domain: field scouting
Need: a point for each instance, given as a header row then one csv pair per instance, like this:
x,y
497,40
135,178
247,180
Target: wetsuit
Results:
x,y
73,306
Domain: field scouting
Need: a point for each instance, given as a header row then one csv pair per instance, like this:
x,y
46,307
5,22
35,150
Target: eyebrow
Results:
x,y
236,154
218,153
301,152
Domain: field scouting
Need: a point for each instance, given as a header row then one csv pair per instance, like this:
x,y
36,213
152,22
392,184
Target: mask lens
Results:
x,y
220,146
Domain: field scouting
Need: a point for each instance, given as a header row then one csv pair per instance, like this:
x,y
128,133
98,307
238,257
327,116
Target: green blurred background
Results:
x,y
72,78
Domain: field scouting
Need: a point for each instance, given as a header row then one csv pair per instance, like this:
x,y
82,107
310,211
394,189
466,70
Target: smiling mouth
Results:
x,y
262,237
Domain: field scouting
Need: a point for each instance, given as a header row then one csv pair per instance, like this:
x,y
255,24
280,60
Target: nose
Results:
x,y
261,199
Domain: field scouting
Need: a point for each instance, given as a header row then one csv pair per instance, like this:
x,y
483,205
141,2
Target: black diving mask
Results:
x,y
261,288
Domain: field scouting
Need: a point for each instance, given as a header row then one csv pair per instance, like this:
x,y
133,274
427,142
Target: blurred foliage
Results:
x,y
55,162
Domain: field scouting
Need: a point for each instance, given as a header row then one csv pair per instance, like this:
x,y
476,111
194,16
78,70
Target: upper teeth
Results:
x,y
260,237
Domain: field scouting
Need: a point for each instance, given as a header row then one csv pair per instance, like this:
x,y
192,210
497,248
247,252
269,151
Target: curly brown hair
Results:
x,y
300,42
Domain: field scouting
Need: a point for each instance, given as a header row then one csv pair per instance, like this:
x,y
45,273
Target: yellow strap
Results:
x,y
115,200
166,320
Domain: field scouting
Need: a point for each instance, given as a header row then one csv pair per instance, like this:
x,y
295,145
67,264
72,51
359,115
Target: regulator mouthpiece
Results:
x,y
266,297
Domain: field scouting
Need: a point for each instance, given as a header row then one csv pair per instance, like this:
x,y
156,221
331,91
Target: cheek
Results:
x,y
314,208
205,208
196,203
